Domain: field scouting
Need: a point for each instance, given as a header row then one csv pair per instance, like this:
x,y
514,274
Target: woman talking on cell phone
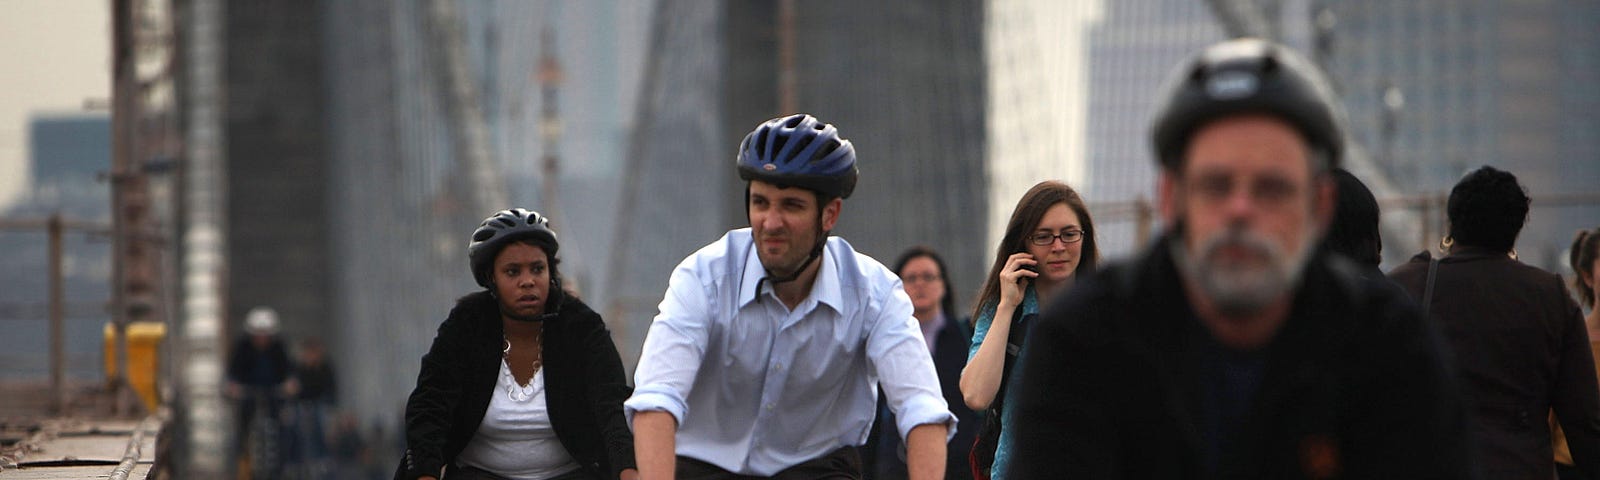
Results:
x,y
1048,243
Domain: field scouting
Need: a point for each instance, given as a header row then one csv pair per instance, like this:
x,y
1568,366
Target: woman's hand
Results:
x,y
980,380
629,474
1012,276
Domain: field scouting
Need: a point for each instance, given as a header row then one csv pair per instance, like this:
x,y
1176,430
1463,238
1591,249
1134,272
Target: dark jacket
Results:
x,y
1522,349
1352,386
882,454
259,368
317,383
584,387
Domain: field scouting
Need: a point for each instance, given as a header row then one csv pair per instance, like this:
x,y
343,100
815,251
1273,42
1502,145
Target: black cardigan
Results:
x,y
584,386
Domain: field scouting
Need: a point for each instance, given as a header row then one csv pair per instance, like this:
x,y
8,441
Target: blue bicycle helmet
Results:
x,y
500,230
1244,76
799,151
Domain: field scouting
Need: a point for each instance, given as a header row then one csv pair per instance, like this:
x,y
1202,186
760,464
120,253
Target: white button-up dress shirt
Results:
x,y
757,387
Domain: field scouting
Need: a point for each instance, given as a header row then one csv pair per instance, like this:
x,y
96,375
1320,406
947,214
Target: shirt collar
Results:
x,y
825,290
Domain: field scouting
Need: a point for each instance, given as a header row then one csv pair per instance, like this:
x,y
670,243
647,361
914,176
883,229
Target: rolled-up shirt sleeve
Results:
x,y
673,348
905,369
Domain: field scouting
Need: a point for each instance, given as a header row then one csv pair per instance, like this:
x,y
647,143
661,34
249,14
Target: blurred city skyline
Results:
x,y
58,62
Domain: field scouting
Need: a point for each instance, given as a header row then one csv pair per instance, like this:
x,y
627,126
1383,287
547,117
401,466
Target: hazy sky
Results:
x,y
56,54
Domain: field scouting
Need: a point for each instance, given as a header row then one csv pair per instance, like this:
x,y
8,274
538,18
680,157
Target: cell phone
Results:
x,y
1031,268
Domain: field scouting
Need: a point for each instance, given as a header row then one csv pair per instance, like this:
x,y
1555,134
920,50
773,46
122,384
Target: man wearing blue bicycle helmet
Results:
x,y
770,344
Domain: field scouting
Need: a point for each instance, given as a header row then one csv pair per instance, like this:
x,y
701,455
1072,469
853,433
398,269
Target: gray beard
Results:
x,y
1238,291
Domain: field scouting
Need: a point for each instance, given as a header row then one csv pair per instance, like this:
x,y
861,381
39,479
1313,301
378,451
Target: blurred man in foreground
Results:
x,y
1233,347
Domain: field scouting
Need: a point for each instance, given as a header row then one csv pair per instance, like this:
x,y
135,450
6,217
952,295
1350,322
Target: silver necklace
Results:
x,y
517,391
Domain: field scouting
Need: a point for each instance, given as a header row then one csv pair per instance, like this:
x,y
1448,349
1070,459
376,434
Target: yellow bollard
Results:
x,y
144,360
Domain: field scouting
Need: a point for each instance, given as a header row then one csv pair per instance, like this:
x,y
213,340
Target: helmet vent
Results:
x,y
482,235
826,149
504,223
778,143
794,121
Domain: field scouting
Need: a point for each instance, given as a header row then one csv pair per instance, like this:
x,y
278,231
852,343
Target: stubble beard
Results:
x,y
798,252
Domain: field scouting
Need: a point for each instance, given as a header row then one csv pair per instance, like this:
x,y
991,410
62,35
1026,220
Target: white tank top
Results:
x,y
515,439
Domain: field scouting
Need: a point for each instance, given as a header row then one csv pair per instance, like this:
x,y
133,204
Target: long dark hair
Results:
x,y
947,303
1024,220
1585,249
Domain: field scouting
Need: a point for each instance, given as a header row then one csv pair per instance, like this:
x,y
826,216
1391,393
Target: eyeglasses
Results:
x,y
919,278
1047,238
1263,190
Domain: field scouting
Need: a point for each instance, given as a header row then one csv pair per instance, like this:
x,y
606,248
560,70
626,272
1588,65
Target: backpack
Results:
x,y
983,449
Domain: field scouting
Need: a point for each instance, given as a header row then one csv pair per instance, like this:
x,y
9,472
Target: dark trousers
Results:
x,y
841,464
472,473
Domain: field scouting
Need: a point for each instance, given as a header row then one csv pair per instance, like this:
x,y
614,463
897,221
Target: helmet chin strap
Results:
x,y
816,251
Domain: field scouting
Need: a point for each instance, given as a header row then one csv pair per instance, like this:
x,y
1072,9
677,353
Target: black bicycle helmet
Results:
x,y
1247,75
799,151
500,230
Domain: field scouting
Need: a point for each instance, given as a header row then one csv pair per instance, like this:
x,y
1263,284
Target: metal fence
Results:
x,y
1137,222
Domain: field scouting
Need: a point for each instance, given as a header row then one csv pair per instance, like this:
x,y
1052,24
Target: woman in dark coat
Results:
x,y
1519,340
523,380
926,280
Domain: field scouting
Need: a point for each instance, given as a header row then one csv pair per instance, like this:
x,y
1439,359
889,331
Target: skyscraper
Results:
x,y
68,153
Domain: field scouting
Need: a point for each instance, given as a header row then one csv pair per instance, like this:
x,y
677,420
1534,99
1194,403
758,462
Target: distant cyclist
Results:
x,y
318,393
260,375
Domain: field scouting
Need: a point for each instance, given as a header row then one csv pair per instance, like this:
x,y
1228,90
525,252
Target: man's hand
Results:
x,y
654,445
925,451
628,474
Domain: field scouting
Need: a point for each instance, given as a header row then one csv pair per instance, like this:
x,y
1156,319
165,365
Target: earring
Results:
x,y
1513,254
1446,242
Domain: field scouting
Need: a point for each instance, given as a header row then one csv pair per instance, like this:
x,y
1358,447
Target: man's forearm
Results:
x,y
925,451
654,445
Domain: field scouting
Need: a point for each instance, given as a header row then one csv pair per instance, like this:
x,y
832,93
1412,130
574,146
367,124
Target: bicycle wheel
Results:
x,y
265,454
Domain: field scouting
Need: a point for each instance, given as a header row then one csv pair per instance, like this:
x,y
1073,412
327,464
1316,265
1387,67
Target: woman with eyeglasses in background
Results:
x,y
1048,244
927,282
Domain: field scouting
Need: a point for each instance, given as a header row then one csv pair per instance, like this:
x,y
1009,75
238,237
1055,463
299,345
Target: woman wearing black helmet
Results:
x,y
1519,339
522,380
